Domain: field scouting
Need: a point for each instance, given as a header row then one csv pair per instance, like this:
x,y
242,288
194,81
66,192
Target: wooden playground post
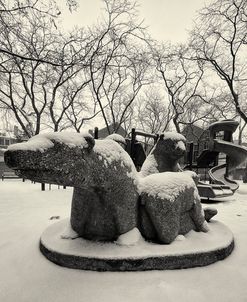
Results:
x,y
132,143
96,132
190,155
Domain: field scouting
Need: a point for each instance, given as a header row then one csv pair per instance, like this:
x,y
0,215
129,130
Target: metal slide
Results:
x,y
236,156
221,185
217,175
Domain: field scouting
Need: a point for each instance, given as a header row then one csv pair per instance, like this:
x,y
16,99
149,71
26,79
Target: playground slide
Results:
x,y
236,156
217,175
206,158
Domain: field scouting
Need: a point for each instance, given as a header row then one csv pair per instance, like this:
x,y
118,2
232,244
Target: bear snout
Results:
x,y
179,151
180,148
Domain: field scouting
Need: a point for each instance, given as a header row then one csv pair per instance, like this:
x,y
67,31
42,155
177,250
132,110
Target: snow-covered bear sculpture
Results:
x,y
104,203
164,157
165,154
170,206
109,199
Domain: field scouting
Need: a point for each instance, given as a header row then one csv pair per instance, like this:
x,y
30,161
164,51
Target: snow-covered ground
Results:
x,y
27,276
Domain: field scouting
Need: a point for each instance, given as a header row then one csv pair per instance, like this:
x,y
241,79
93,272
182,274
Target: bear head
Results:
x,y
171,145
57,158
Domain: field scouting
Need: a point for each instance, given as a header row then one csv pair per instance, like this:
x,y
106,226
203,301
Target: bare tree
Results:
x,y
181,78
153,114
219,103
81,109
39,93
68,80
119,63
242,135
220,39
11,17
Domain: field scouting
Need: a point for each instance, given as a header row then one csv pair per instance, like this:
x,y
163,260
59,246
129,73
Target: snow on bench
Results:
x,y
9,175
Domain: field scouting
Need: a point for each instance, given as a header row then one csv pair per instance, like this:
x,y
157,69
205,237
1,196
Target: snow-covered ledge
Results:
x,y
199,249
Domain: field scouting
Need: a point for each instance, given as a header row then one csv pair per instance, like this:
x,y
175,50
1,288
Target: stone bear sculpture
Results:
x,y
164,157
170,206
108,192
165,154
104,203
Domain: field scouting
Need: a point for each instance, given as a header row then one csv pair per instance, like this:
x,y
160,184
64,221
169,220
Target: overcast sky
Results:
x,y
167,19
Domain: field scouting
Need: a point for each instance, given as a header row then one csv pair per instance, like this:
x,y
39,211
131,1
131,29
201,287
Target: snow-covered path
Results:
x,y
27,276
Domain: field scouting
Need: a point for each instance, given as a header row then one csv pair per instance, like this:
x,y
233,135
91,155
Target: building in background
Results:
x,y
8,137
103,132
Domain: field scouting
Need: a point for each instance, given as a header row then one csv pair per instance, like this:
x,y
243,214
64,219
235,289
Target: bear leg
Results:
x,y
197,214
165,217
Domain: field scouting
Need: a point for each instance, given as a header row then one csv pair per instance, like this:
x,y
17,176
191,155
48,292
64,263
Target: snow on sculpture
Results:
x,y
163,158
104,203
117,138
165,154
109,198
171,206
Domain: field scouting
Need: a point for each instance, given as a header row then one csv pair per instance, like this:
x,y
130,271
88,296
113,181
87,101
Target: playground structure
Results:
x,y
217,161
138,150
220,142
135,148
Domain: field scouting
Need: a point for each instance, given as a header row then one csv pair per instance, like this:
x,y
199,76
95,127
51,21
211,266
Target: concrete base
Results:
x,y
192,250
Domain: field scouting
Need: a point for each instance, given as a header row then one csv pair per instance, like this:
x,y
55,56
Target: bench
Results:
x,y
9,175
43,186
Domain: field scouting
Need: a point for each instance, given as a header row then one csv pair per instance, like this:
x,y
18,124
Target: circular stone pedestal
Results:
x,y
193,249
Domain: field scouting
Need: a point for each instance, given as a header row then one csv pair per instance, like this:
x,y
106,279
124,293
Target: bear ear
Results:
x,y
90,142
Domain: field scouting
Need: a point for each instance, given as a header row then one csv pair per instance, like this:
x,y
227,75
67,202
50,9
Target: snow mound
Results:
x,y
180,238
174,136
181,145
166,185
193,175
242,188
150,166
69,233
43,141
130,238
110,152
117,138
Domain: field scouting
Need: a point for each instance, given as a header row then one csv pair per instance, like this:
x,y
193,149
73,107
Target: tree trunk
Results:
x,y
176,124
237,105
55,127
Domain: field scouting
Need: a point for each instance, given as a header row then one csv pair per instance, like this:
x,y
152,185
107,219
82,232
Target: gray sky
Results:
x,y
167,19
